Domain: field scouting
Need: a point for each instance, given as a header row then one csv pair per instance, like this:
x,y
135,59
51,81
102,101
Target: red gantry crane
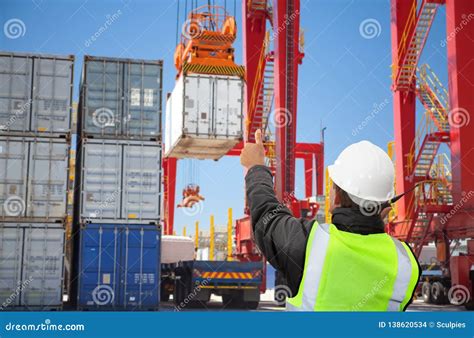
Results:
x,y
270,101
441,208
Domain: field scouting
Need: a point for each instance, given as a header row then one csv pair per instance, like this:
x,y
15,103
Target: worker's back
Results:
x,y
345,271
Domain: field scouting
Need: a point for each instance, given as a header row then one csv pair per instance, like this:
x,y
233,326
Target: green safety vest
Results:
x,y
344,271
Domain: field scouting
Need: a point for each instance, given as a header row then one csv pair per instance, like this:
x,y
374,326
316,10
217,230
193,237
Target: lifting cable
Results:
x,y
177,23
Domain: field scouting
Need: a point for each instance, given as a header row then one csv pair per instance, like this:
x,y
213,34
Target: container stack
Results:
x,y
118,185
35,134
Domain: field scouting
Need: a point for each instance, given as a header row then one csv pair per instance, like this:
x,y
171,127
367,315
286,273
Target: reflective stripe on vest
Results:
x,y
345,271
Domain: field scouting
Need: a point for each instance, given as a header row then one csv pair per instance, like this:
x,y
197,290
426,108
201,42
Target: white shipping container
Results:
x,y
176,249
204,116
118,180
33,178
31,272
36,93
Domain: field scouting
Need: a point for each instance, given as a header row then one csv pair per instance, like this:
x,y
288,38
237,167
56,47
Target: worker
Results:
x,y
348,265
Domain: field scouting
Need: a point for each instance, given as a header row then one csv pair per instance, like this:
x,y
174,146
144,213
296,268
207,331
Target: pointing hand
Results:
x,y
253,153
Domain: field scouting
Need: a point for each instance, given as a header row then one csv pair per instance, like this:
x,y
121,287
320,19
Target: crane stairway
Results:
x,y
433,195
264,101
412,43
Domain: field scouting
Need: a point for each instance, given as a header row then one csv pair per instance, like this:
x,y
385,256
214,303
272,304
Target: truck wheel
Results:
x,y
235,300
426,292
164,296
469,306
251,305
227,300
438,293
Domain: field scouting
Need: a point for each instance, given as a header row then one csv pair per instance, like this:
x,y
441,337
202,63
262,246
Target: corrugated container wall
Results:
x,y
119,267
31,269
121,98
33,178
118,181
204,116
35,94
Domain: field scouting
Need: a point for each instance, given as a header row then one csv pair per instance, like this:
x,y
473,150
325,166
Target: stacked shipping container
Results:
x,y
35,120
118,184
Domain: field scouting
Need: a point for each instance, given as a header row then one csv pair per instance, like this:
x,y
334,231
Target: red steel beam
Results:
x,y
169,186
460,37
253,28
287,58
403,108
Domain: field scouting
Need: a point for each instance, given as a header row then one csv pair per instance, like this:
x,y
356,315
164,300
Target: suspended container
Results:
x,y
32,266
121,98
118,181
204,116
118,267
36,94
33,179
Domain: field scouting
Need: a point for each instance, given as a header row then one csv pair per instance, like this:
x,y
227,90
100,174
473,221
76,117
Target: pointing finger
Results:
x,y
258,137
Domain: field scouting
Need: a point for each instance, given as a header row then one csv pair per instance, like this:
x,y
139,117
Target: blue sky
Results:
x,y
345,77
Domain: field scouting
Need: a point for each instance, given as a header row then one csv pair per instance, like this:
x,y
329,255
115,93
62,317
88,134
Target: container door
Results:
x,y
43,267
141,182
13,172
52,90
103,98
228,120
175,114
15,93
47,179
11,243
142,108
198,98
141,267
99,280
101,181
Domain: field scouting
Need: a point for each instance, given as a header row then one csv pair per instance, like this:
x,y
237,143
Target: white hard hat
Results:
x,y
365,172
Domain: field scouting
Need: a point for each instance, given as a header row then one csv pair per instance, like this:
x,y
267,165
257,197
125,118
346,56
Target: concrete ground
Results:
x,y
268,304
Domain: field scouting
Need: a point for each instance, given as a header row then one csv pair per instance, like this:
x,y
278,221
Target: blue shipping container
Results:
x,y
119,267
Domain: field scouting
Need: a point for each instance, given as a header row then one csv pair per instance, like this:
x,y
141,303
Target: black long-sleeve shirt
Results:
x,y
281,237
